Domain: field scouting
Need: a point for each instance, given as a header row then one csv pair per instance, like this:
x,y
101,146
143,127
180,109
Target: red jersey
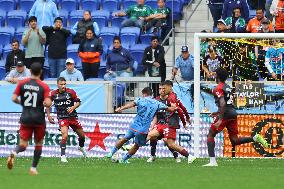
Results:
x,y
32,93
64,100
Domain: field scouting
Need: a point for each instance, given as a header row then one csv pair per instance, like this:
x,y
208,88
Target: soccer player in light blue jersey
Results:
x,y
146,110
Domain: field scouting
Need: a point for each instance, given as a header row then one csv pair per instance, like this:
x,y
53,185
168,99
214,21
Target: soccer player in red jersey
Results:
x,y
66,102
165,128
226,117
33,95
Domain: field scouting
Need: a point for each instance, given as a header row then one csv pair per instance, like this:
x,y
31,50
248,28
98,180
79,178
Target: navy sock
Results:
x,y
211,147
243,140
153,144
63,147
37,154
19,148
81,142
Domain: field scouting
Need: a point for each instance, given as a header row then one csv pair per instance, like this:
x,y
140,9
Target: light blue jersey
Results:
x,y
275,58
146,110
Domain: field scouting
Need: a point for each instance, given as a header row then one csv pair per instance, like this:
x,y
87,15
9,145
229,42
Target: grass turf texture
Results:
x,y
163,173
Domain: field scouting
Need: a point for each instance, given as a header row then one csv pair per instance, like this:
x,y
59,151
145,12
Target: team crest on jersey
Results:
x,y
68,96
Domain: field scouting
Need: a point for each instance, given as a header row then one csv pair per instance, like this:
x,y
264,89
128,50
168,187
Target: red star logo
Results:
x,y
97,138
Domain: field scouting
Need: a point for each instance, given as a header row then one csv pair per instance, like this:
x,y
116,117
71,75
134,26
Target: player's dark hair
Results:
x,y
148,91
36,68
168,82
162,84
222,74
60,79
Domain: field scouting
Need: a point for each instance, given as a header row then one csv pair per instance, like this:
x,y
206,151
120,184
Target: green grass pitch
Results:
x,y
162,174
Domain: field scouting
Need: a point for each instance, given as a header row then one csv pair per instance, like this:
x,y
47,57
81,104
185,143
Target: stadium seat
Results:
x,y
1,51
72,52
2,17
128,3
110,5
26,5
64,15
102,72
116,21
69,5
75,16
90,4
146,38
2,73
94,79
152,3
101,17
7,5
137,52
19,33
16,18
129,36
107,34
50,79
2,62
176,9
6,34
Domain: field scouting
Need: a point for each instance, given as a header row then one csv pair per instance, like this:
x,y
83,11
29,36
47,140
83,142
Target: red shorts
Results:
x,y
26,132
166,131
70,122
230,124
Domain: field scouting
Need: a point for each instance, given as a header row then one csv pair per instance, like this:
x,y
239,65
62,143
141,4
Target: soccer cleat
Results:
x,y
124,161
83,151
178,160
33,171
191,159
64,159
10,161
211,165
258,138
151,159
109,155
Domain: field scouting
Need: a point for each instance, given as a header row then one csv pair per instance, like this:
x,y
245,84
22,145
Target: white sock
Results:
x,y
33,168
213,160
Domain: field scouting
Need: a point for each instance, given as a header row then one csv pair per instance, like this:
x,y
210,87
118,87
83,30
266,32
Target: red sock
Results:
x,y
184,153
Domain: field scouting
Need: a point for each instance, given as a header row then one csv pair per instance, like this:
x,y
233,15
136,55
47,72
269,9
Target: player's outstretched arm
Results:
x,y
16,99
125,107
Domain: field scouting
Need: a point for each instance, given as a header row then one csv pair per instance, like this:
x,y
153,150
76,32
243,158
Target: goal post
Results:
x,y
197,81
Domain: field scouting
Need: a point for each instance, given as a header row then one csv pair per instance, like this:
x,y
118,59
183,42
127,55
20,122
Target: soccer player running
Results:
x,y
162,129
173,118
226,117
33,95
66,102
146,110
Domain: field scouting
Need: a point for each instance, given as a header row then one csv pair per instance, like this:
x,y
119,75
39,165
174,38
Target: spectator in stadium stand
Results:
x,y
211,62
222,27
154,59
267,10
14,56
230,5
216,8
90,50
244,64
265,26
71,73
79,29
119,62
45,11
57,50
33,39
184,63
254,25
235,23
20,73
277,11
158,18
137,14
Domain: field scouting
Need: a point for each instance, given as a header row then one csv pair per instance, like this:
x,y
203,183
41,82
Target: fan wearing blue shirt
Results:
x,y
146,110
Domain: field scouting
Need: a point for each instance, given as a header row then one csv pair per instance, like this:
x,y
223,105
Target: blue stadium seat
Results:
x,y
2,17
75,16
107,34
16,18
176,9
128,3
2,73
6,34
69,5
2,64
137,52
26,5
110,5
51,79
152,3
1,51
102,72
19,33
72,52
7,5
101,17
94,79
146,38
116,21
90,4
64,15
129,36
